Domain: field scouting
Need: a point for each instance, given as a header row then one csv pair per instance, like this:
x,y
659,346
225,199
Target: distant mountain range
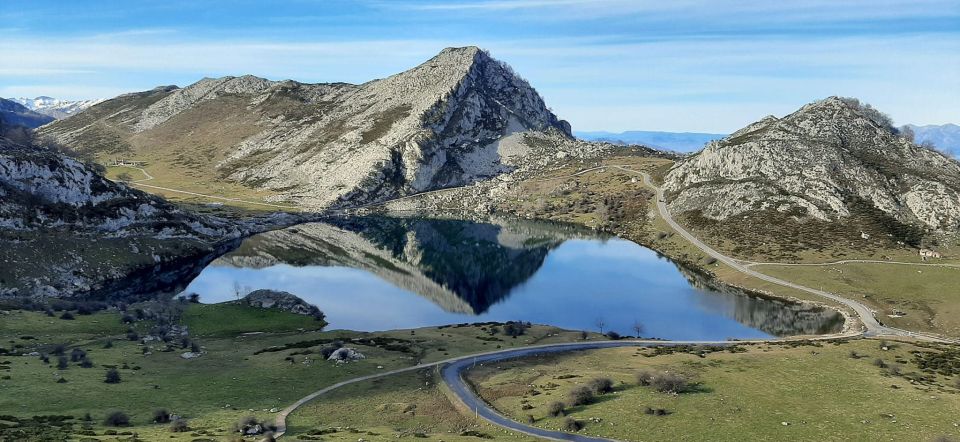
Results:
x,y
54,107
675,141
945,137
16,114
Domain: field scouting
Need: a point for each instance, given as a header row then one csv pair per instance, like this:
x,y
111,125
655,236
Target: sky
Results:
x,y
614,65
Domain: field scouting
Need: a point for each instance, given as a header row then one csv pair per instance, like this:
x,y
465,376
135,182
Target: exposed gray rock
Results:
x,y
345,354
282,301
816,161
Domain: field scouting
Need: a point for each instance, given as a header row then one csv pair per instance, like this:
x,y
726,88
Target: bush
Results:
x,y
601,385
117,419
62,363
669,383
879,363
86,363
112,376
67,315
179,425
161,416
571,424
581,395
132,336
556,409
644,377
77,354
108,344
530,419
613,336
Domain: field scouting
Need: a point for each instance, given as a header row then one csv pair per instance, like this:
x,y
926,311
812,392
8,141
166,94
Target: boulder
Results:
x,y
345,354
282,301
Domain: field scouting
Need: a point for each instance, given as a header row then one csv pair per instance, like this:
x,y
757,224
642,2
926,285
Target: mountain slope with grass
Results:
x,y
460,117
835,170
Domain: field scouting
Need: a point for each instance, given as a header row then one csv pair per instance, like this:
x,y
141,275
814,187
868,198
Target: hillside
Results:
x,y
834,174
15,114
66,230
460,117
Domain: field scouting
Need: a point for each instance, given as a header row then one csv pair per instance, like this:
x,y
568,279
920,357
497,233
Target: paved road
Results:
x,y
451,375
869,320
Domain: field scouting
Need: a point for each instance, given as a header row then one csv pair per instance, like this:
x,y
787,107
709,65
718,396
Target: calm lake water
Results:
x,y
378,273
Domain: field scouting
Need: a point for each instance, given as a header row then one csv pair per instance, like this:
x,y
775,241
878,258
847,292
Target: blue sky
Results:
x,y
678,65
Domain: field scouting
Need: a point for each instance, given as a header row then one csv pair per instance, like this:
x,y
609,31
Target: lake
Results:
x,y
380,273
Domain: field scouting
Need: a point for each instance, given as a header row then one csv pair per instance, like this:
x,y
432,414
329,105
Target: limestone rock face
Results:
x,y
818,162
458,118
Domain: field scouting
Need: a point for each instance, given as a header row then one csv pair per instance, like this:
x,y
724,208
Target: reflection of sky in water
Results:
x,y
579,282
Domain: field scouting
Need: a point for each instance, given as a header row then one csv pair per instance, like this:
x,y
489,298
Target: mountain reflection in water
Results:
x,y
378,273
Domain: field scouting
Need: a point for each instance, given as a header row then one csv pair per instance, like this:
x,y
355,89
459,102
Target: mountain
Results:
x,y
832,160
460,117
53,107
945,137
66,230
674,141
15,114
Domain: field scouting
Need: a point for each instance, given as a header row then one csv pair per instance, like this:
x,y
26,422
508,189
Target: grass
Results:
x,y
239,374
820,392
928,295
404,406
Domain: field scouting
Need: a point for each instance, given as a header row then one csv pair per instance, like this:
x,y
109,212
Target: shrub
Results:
x,y
601,385
179,425
669,383
613,336
116,419
67,315
132,336
556,409
77,354
854,355
112,376
86,363
59,349
161,416
879,363
894,370
644,377
62,363
530,419
581,395
108,344
571,424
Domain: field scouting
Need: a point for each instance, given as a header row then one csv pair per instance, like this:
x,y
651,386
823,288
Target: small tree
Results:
x,y
112,376
601,385
581,395
644,377
669,383
161,416
117,419
637,328
571,424
600,323
179,425
556,409
62,363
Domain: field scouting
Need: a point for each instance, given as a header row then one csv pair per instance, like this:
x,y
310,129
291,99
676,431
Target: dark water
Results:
x,y
376,273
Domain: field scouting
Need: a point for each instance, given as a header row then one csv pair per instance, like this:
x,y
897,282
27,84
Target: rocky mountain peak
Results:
x,y
820,162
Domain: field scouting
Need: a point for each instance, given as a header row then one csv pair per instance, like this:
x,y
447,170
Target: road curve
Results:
x,y
873,326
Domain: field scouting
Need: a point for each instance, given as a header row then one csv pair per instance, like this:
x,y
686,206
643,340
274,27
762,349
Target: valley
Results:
x,y
434,255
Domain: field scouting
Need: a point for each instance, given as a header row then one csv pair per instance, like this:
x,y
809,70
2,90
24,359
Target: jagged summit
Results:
x,y
830,159
459,117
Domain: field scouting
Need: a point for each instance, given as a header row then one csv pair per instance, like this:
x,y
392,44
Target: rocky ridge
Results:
x,y
458,118
819,163
55,108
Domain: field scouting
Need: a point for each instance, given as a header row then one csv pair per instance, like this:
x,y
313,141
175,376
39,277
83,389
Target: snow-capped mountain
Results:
x,y
55,107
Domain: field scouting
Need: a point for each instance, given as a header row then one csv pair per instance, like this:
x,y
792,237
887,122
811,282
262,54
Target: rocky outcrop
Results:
x,y
458,118
819,162
282,301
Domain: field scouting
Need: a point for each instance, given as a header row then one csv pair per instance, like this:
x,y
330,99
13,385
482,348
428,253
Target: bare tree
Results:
x,y
600,323
637,328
